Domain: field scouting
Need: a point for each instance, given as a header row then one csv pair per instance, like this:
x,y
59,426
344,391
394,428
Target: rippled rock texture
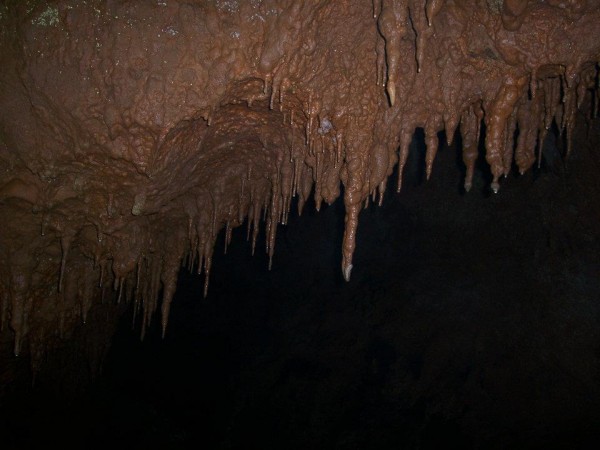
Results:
x,y
131,133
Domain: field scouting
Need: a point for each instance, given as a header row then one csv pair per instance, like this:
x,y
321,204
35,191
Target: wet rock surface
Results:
x,y
471,321
134,136
132,133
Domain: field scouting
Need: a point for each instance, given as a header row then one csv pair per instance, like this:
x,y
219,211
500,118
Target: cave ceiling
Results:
x,y
132,133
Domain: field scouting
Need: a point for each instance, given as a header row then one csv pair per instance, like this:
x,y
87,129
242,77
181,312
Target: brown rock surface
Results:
x,y
131,133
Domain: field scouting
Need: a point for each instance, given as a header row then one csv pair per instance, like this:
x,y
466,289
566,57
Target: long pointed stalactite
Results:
x,y
131,133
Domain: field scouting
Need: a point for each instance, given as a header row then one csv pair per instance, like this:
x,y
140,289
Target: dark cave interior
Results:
x,y
471,321
134,136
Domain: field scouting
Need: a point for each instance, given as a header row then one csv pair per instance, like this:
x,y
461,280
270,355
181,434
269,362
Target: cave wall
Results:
x,y
131,133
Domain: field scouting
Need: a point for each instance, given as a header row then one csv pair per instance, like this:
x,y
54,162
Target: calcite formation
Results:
x,y
132,132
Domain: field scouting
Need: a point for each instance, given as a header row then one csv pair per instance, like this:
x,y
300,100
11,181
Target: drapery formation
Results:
x,y
131,133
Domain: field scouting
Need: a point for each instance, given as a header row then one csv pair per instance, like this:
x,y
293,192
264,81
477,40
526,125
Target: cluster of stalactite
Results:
x,y
132,133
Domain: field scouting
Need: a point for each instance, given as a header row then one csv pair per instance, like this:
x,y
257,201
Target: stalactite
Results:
x,y
423,31
169,280
405,137
392,24
320,97
469,128
432,10
509,145
207,267
432,143
496,118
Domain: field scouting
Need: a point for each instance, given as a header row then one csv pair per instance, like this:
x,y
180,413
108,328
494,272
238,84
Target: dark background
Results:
x,y
471,320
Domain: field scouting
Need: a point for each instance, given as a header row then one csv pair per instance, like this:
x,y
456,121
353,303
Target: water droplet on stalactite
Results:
x,y
391,90
347,272
43,227
432,9
495,186
17,346
375,4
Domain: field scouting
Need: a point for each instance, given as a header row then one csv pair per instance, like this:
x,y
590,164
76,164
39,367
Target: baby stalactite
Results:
x,y
392,25
21,304
65,244
469,128
405,138
433,8
169,279
432,143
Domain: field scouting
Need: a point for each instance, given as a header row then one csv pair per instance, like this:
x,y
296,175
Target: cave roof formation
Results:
x,y
132,132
